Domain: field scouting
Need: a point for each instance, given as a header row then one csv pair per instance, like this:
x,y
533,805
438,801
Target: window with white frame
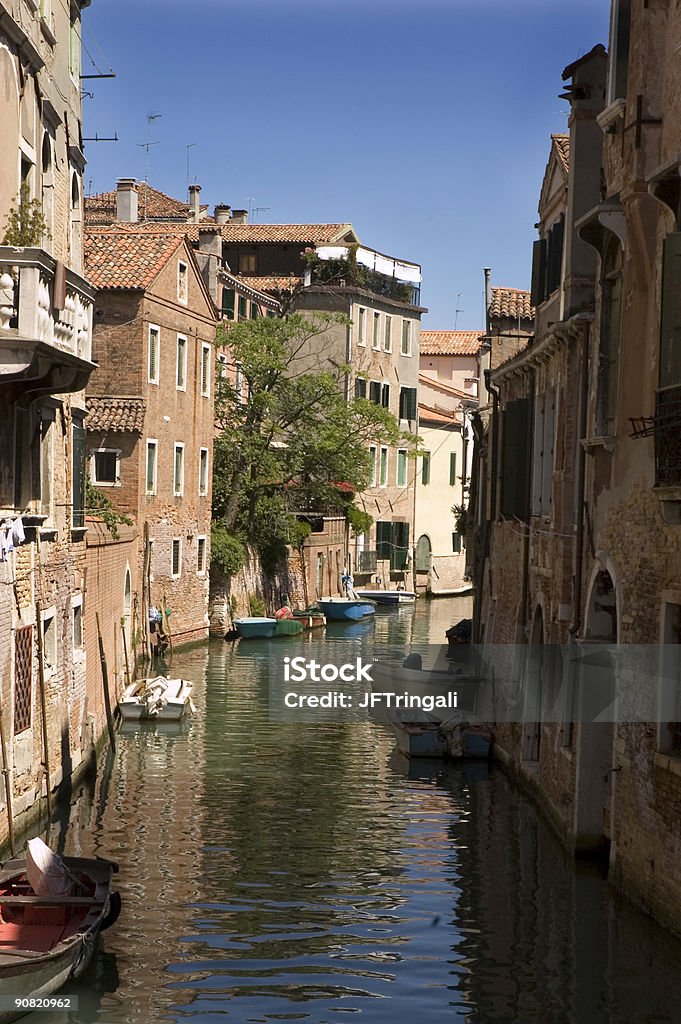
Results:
x,y
401,467
75,50
376,336
406,338
154,353
543,453
181,364
176,558
205,370
178,470
203,472
106,463
151,465
182,282
47,431
373,451
361,326
388,334
383,474
201,556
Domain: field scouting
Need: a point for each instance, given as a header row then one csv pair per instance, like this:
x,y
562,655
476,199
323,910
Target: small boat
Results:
x,y
311,618
417,734
255,627
345,609
288,627
51,911
395,678
158,699
461,633
390,597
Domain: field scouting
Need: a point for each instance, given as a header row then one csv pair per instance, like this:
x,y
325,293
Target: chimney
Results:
x,y
126,200
239,216
194,204
222,213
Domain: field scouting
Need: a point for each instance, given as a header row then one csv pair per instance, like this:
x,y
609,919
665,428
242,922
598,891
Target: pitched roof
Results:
x,y
450,343
122,415
127,259
294,233
561,144
271,284
440,385
512,303
100,210
428,415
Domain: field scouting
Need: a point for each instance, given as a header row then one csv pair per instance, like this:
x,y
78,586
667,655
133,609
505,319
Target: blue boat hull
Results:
x,y
254,628
346,611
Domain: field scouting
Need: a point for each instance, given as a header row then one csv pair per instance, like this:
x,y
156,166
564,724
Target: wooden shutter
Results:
x,y
375,392
78,518
555,257
385,396
515,459
670,325
452,469
360,387
407,403
548,446
228,298
538,263
537,449
383,538
400,545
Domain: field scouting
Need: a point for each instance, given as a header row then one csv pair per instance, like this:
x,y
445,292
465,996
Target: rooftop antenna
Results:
x,y
457,310
250,200
190,147
258,209
147,146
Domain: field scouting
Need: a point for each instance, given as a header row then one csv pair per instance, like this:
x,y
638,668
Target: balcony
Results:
x,y
357,267
367,561
45,323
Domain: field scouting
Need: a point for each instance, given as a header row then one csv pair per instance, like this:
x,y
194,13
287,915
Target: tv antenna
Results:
x,y
190,147
457,310
258,209
147,146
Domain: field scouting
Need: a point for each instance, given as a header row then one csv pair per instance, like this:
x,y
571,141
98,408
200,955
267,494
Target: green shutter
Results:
x,y
383,538
228,300
255,311
452,469
670,326
538,264
425,468
385,396
407,403
243,307
515,459
78,518
400,546
375,392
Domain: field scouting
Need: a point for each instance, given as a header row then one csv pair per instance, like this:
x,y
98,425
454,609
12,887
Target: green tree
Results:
x,y
288,441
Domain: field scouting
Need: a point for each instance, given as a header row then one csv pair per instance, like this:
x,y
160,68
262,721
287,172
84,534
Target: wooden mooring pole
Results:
x,y
105,681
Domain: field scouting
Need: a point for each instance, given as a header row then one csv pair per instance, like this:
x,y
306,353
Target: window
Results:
x,y
154,353
407,403
456,543
388,334
383,478
152,461
47,462
376,336
543,453
77,621
425,468
243,307
392,543
515,460
228,301
609,342
105,467
372,457
205,370
362,326
176,560
248,263
255,311
360,387
75,50
406,338
203,472
23,678
385,396
78,479
669,739
178,471
401,467
201,556
618,72
452,469
375,391
182,283
181,364
547,263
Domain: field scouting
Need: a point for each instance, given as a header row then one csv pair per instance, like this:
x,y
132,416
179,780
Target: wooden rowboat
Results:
x,y
47,940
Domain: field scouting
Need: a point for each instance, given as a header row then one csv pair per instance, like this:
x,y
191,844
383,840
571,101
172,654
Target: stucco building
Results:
x,y
48,718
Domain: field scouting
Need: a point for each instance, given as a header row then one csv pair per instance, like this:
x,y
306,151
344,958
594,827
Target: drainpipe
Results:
x,y
581,486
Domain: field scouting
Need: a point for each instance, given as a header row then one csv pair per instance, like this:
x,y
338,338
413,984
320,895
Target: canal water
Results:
x,y
307,873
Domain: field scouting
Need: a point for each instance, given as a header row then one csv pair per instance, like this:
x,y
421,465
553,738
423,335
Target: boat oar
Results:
x,y
105,682
8,784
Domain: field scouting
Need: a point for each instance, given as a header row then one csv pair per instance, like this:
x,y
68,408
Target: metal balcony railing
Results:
x,y
665,428
367,561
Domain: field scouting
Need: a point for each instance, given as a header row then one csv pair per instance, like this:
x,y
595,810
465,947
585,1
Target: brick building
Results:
x,y
45,357
150,423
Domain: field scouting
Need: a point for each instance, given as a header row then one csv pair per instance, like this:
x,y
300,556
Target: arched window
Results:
x,y
611,324
76,226
47,163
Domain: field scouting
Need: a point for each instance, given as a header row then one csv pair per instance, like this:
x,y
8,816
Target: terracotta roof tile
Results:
x,y
122,415
294,233
440,385
512,303
127,259
428,415
100,210
561,144
271,284
450,343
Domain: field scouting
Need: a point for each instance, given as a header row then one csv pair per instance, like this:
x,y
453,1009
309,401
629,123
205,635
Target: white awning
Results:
x,y
386,265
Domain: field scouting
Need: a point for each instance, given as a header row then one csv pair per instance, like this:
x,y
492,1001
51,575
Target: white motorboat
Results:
x,y
389,597
158,699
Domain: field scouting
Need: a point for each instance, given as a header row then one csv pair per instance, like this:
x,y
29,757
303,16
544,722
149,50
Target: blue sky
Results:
x,y
424,124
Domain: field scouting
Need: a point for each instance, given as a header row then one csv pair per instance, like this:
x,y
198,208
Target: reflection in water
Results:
x,y
299,872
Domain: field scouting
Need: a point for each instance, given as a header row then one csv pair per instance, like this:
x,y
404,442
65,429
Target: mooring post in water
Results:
x,y
125,654
105,681
43,704
8,784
